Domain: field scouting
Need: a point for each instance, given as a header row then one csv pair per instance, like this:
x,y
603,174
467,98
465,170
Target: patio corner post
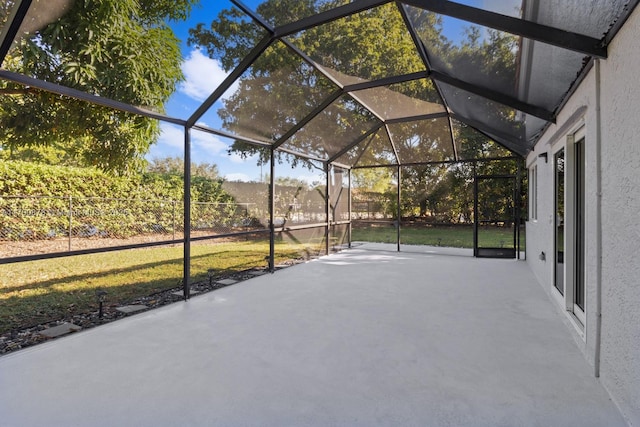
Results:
x,y
349,208
399,211
518,207
70,221
475,209
327,201
187,215
272,208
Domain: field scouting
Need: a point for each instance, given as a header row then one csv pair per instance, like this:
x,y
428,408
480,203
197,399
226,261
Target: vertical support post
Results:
x,y
186,269
399,210
70,220
327,233
475,209
518,205
349,209
173,202
272,209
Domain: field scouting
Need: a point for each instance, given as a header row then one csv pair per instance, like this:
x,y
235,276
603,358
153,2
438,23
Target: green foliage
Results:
x,y
119,49
102,205
175,166
369,45
45,290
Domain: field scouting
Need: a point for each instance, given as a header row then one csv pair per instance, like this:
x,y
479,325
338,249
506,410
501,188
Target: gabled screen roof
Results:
x,y
360,83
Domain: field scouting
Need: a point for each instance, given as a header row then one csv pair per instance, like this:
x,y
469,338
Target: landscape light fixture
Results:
x,y
101,296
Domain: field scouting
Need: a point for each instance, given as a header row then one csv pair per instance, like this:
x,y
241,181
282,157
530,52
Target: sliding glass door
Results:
x,y
559,221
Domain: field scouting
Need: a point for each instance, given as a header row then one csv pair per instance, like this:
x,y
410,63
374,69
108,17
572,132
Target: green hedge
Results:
x,y
35,201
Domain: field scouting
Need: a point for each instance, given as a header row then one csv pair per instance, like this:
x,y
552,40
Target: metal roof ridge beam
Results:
x,y
246,9
356,142
231,78
230,135
386,81
422,51
334,14
509,101
319,109
84,96
531,30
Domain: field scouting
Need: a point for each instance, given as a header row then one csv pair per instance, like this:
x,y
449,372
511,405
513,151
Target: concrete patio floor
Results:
x,y
359,338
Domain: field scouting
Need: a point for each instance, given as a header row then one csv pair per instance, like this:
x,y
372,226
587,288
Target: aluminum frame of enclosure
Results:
x,y
445,84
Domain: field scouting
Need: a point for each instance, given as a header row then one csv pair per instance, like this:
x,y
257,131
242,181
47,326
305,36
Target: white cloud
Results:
x,y
208,142
237,177
202,75
172,136
237,158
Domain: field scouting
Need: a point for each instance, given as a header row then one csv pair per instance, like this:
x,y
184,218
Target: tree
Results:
x,y
119,49
175,166
280,88
206,182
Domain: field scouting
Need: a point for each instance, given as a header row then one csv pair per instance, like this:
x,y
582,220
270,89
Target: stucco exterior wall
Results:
x,y
620,369
620,166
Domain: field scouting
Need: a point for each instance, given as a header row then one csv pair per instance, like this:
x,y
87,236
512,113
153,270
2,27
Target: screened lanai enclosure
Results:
x,y
403,122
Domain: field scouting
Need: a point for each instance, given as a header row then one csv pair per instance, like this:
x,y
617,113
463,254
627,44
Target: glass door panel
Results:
x,y
559,221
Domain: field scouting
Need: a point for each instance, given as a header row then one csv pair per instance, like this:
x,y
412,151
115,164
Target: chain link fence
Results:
x,y
44,224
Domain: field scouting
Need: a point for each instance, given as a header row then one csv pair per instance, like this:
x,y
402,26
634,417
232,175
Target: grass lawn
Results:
x,y
46,290
42,291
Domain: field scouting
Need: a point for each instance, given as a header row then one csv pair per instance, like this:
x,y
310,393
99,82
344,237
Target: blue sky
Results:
x,y
203,75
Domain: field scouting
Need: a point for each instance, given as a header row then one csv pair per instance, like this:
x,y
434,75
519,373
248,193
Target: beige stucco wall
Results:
x,y
620,166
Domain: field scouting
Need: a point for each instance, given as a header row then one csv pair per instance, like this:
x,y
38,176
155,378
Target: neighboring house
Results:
x,y
583,233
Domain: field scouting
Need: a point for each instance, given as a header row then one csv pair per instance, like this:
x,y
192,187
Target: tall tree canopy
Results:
x,y
120,49
280,88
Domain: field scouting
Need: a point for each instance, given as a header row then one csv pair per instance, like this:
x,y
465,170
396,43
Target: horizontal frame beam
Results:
x,y
440,162
228,135
84,96
492,95
531,30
